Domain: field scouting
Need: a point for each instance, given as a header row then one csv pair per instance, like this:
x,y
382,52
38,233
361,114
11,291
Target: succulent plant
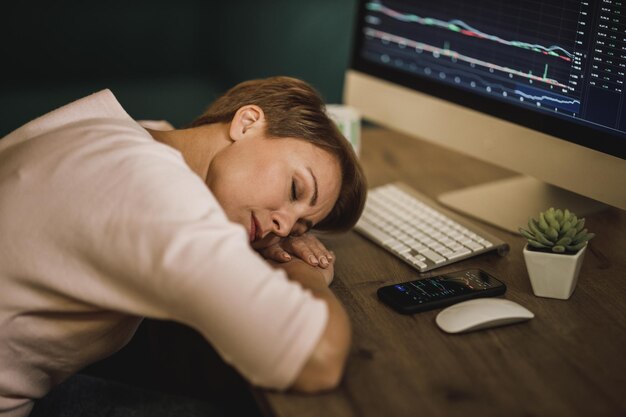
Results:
x,y
557,230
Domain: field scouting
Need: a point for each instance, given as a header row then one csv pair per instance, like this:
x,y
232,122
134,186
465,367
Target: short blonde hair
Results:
x,y
294,109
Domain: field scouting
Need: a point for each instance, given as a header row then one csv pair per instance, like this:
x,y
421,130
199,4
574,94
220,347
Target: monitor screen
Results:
x,y
554,66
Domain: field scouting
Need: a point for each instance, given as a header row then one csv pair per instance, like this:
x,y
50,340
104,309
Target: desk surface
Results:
x,y
569,360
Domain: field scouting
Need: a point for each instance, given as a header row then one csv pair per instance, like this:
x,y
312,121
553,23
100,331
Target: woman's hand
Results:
x,y
306,247
313,277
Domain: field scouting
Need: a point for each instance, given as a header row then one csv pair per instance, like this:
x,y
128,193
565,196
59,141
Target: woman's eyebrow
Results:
x,y
314,197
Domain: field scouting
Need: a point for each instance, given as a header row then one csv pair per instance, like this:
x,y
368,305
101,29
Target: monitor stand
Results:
x,y
509,203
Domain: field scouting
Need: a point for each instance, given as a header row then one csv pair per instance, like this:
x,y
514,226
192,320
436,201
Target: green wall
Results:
x,y
165,59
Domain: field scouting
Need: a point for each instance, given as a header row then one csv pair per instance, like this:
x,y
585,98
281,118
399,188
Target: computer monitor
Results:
x,y
533,86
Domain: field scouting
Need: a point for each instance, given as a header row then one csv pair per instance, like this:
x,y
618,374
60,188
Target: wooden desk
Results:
x,y
570,360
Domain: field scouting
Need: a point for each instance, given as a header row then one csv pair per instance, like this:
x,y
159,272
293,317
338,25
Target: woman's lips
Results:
x,y
252,228
255,229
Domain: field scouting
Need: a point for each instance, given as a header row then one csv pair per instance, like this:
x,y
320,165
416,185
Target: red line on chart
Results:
x,y
453,54
460,26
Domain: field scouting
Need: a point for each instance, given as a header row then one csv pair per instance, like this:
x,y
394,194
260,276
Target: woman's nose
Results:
x,y
283,223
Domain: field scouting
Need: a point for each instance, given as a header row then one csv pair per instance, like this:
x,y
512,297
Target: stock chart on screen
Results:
x,y
567,58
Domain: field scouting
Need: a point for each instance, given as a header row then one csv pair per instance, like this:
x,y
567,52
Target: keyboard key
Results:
x,y
485,243
474,245
396,246
459,254
376,233
456,246
433,256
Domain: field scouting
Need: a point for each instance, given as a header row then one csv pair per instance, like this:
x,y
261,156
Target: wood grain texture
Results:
x,y
570,360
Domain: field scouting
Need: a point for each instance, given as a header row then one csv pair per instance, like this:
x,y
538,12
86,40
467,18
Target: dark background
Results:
x,y
164,59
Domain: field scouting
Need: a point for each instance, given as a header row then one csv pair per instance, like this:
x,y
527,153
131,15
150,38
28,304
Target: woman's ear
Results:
x,y
247,121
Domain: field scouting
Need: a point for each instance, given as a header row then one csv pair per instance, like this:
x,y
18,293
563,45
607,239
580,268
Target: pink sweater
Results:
x,y
100,225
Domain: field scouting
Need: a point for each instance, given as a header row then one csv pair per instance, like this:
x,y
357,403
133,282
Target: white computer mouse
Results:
x,y
481,313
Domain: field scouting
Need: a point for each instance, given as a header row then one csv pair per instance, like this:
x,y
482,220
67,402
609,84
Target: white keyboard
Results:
x,y
415,229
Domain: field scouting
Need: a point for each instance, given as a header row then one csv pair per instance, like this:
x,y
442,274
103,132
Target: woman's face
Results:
x,y
274,187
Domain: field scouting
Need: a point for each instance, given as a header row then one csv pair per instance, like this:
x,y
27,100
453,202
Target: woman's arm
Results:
x,y
324,368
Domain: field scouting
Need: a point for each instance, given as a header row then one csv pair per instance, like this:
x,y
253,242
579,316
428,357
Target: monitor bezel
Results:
x,y
567,130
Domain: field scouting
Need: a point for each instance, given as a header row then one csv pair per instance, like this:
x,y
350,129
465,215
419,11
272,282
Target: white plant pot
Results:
x,y
553,275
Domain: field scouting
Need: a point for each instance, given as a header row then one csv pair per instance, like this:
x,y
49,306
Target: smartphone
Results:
x,y
440,291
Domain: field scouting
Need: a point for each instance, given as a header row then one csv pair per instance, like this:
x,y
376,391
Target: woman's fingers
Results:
x,y
276,253
308,248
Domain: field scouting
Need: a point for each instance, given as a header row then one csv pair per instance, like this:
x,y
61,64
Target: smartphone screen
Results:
x,y
440,291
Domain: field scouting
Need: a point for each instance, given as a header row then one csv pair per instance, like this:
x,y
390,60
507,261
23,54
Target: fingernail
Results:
x,y
313,260
324,261
286,256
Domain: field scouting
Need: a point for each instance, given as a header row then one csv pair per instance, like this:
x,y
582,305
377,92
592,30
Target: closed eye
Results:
x,y
294,193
